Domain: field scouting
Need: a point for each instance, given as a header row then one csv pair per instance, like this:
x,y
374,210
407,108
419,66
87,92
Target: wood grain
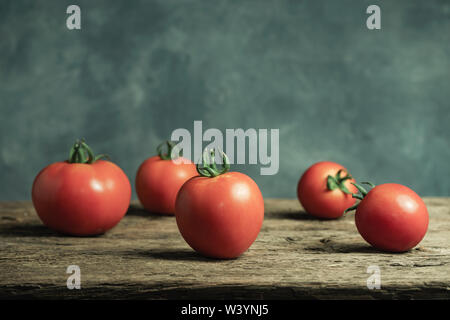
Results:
x,y
294,257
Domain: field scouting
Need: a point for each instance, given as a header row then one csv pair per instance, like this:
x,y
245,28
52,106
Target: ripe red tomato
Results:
x,y
324,191
83,195
219,214
159,179
391,217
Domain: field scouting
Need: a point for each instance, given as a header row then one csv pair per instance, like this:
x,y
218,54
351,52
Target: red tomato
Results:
x,y
81,198
392,217
159,179
322,190
220,216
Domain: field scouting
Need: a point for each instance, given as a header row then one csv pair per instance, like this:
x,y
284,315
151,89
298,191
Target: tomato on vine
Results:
x,y
219,213
83,195
325,190
390,217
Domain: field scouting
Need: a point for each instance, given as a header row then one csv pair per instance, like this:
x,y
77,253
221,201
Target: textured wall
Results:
x,y
374,101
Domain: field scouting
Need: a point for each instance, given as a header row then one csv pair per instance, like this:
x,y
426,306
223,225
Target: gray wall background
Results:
x,y
374,101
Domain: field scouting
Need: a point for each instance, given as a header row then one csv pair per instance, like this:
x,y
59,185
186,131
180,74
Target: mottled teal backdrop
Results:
x,y
377,102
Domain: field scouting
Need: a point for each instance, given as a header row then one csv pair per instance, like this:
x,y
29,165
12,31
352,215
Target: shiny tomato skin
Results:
x,y
392,217
220,217
81,199
314,195
158,182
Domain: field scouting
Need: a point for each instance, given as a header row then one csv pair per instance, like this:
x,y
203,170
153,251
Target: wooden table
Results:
x,y
294,257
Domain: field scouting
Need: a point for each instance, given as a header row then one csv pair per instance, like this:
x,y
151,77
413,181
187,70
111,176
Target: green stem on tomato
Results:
x,y
208,168
82,153
337,182
170,155
362,193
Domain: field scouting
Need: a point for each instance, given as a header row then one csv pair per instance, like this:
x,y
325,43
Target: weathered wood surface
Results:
x,y
294,257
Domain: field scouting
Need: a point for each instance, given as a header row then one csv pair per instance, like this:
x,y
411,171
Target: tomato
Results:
x,y
391,217
219,214
324,191
159,179
83,195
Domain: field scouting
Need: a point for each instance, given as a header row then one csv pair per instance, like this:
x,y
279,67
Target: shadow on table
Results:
x,y
293,215
364,248
352,248
138,210
327,245
27,231
173,255
35,230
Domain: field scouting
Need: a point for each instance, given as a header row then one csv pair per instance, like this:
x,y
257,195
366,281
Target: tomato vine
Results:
x,y
82,153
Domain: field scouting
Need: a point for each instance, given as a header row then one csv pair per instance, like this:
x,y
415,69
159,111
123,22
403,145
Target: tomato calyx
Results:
x,y
362,193
337,182
171,151
82,153
208,167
